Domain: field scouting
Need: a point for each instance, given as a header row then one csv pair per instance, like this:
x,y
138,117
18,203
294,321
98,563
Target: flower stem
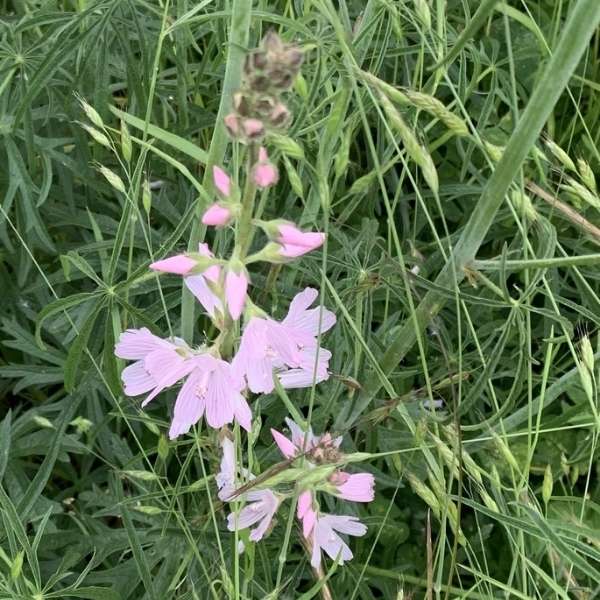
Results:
x,y
245,225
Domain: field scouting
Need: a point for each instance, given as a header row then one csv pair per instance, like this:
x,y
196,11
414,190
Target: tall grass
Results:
x,y
449,150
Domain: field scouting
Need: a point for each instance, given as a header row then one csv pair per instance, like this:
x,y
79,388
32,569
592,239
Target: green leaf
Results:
x,y
168,138
60,305
5,431
79,346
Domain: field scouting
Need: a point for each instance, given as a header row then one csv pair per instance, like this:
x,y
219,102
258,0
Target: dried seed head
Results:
x,y
271,42
280,116
242,104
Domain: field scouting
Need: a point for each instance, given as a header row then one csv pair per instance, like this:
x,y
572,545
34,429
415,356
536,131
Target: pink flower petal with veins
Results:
x,y
236,287
288,449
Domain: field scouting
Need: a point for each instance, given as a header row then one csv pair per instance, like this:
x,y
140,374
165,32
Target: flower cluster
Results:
x,y
212,387
217,377
315,462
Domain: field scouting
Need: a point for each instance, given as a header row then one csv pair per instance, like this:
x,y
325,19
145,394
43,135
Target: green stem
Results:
x,y
537,263
574,40
244,225
241,13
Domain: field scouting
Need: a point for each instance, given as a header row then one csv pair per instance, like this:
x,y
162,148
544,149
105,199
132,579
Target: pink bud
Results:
x,y
216,215
221,181
265,175
233,125
236,286
264,172
253,128
295,242
178,265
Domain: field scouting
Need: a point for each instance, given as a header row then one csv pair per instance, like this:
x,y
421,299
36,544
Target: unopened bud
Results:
x,y
280,116
253,129
232,124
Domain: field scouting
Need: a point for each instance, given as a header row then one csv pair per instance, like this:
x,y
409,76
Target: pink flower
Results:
x,y
178,265
264,172
225,478
358,487
212,389
288,347
159,363
222,182
263,505
236,287
216,215
301,441
306,513
295,242
325,537
202,285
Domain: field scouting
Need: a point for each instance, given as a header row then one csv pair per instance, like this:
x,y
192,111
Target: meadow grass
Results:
x,y
449,151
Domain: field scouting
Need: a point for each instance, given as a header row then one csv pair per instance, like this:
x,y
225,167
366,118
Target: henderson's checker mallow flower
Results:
x,y
260,353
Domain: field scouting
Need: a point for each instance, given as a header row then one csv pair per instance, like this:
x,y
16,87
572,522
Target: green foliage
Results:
x,y
449,150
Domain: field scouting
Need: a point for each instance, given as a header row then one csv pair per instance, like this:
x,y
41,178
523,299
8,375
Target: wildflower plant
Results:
x,y
253,353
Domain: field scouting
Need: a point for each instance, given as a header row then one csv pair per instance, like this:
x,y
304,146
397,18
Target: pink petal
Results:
x,y
216,215
134,344
285,446
242,412
204,250
136,380
304,502
290,234
218,397
265,175
308,321
358,488
178,265
209,300
189,405
236,286
222,182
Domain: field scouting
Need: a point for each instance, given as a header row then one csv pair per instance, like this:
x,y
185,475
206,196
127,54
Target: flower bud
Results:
x,y
253,129
280,116
236,287
232,124
217,215
264,172
222,182
177,265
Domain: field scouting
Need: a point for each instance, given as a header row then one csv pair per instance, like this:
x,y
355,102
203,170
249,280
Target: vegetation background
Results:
x,y
462,260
